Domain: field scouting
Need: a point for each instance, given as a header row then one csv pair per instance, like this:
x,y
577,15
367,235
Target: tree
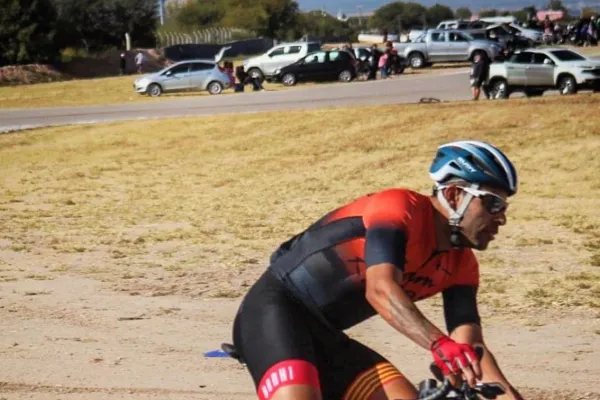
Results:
x,y
555,5
315,23
488,13
200,14
270,18
387,17
438,13
139,18
99,24
27,32
463,13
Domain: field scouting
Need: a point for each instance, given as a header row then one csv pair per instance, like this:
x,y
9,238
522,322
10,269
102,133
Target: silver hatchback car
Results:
x,y
197,74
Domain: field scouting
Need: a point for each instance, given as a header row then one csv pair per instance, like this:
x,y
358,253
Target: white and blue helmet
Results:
x,y
475,162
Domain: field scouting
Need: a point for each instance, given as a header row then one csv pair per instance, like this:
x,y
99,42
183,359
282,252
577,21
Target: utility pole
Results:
x,y
161,11
359,8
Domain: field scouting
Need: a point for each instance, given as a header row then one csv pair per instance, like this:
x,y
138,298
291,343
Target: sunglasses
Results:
x,y
493,203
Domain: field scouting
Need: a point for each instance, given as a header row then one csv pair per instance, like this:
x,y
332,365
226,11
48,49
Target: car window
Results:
x,y
277,52
339,56
363,52
521,58
463,25
457,37
294,49
438,36
312,47
201,67
318,57
567,55
179,69
538,58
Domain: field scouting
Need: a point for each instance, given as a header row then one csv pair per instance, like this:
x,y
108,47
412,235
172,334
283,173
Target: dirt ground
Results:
x,y
125,247
72,337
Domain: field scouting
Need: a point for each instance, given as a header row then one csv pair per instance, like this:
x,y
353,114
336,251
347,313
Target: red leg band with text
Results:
x,y
285,373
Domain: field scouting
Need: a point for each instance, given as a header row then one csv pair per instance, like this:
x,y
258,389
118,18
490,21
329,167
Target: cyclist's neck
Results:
x,y
442,228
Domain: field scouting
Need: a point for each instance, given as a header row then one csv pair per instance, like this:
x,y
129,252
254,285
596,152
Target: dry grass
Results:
x,y
195,206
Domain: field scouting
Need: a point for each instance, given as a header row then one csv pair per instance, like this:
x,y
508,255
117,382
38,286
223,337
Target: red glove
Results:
x,y
450,356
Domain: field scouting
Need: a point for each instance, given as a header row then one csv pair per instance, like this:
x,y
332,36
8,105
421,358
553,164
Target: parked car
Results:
x,y
277,57
534,71
446,46
453,24
322,65
197,74
501,34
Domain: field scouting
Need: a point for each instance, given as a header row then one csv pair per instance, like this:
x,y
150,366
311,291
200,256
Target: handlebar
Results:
x,y
439,393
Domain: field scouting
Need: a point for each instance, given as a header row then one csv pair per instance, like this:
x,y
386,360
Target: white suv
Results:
x,y
265,65
533,71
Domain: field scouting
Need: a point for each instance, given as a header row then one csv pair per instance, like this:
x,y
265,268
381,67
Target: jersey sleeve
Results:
x,y
460,299
386,219
467,269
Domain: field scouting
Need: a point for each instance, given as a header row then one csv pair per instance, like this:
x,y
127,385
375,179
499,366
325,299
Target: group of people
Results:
x,y
387,62
242,78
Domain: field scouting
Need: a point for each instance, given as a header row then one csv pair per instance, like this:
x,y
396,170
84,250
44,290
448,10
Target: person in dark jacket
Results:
x,y
374,62
479,75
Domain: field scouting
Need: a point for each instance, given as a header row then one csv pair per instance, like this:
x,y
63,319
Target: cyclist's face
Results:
x,y
480,225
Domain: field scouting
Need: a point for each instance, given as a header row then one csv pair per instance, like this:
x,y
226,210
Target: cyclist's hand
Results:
x,y
453,358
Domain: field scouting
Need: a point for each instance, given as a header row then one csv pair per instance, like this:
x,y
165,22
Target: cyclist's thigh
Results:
x,y
352,371
274,339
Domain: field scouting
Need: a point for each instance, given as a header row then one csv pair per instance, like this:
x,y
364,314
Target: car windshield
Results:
x,y
567,55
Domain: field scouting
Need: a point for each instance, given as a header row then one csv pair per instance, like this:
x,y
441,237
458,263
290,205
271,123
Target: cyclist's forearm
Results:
x,y
394,305
491,373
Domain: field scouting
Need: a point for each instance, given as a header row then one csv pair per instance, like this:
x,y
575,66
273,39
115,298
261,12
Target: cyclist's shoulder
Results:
x,y
399,196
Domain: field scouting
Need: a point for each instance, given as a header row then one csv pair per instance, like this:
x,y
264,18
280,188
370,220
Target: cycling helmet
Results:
x,y
477,163
474,162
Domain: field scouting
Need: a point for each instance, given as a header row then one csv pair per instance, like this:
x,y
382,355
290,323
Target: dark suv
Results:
x,y
319,66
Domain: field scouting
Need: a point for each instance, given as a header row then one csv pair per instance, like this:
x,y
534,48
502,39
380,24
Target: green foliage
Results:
x,y
316,23
99,24
398,16
463,13
438,13
27,32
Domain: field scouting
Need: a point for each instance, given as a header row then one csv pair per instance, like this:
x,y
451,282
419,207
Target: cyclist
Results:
x,y
379,254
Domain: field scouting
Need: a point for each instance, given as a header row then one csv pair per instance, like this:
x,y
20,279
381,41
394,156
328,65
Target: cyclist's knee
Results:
x,y
381,382
290,379
297,392
399,388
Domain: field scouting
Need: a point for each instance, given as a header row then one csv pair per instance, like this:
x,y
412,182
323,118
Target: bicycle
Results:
x,y
428,388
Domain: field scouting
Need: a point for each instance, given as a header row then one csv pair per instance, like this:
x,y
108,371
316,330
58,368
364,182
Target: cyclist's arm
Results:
x,y
463,323
384,257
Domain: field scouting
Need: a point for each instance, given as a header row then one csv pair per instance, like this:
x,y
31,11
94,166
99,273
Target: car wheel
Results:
x,y
499,90
416,60
534,93
215,87
345,76
154,90
289,79
567,85
256,73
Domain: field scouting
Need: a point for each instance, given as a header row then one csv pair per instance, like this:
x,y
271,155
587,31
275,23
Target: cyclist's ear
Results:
x,y
452,194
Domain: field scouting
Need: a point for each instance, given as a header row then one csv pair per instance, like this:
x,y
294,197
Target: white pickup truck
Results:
x,y
437,46
277,57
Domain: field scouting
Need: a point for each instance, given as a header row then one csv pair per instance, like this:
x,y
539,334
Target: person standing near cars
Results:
x,y
479,75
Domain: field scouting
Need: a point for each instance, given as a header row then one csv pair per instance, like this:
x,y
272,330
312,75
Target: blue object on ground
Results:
x,y
216,354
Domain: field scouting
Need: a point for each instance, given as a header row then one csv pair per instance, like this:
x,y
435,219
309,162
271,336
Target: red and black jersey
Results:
x,y
325,266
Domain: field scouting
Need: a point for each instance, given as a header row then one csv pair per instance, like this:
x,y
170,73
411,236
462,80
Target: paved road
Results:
x,y
451,85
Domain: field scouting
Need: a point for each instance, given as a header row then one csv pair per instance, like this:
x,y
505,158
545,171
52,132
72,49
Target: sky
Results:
x,y
352,6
